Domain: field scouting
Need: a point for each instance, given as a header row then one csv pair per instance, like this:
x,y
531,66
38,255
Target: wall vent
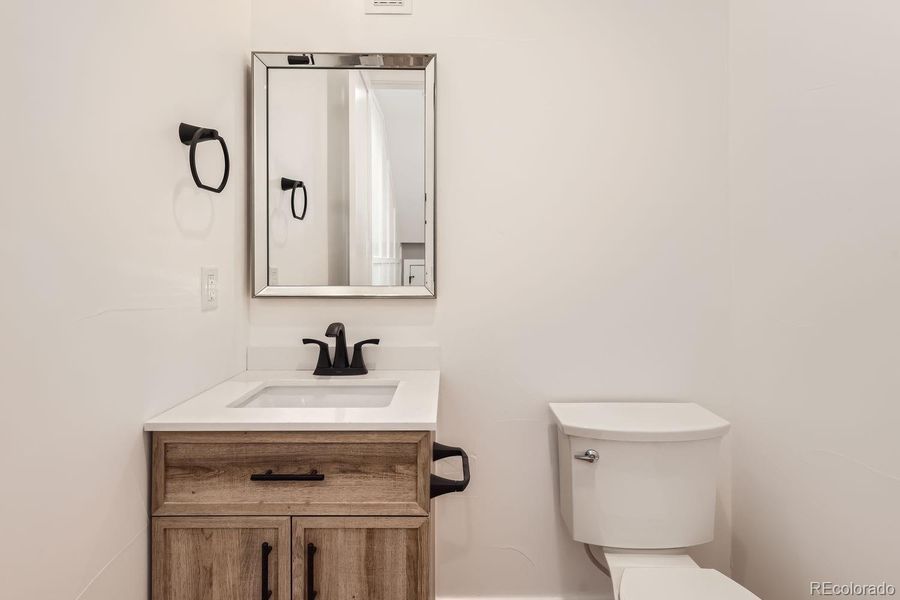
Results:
x,y
388,7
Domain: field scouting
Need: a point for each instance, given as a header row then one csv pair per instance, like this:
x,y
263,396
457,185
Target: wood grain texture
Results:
x,y
364,558
366,473
219,558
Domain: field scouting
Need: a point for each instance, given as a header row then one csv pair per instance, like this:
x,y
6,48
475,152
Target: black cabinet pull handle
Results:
x,y
292,184
311,592
266,550
191,135
442,485
270,476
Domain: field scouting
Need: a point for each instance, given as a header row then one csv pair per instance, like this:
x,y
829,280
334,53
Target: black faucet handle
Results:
x,y
358,362
324,361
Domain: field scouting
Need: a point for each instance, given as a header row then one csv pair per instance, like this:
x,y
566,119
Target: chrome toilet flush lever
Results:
x,y
590,456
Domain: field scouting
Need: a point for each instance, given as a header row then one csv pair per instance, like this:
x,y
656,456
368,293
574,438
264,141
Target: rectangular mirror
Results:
x,y
343,174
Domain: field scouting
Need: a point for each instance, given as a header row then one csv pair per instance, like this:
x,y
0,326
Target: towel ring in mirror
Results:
x,y
293,184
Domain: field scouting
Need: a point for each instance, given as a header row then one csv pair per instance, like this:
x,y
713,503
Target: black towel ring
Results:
x,y
191,135
293,184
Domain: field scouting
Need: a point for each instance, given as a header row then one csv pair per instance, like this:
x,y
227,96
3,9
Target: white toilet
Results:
x,y
639,480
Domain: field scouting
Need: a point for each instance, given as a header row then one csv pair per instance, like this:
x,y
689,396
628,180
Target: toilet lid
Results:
x,y
679,584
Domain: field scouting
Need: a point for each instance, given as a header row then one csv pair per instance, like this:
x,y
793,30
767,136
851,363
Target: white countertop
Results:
x,y
413,408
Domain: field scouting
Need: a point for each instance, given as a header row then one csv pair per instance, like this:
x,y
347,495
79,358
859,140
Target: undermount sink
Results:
x,y
321,395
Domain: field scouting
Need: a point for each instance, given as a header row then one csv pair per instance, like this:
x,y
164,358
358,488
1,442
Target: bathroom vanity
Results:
x,y
279,485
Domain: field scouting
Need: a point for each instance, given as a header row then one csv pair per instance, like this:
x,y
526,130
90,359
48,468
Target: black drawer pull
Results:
x,y
442,485
311,592
266,550
270,476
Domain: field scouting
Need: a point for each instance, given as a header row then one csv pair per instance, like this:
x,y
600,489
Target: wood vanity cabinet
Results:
x,y
291,516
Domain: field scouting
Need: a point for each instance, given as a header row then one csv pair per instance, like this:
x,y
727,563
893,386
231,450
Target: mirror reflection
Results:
x,y
346,177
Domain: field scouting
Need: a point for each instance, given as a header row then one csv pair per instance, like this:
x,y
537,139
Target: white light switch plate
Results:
x,y
388,7
209,288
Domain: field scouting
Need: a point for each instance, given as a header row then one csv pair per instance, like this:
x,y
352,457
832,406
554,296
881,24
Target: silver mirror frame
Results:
x,y
261,63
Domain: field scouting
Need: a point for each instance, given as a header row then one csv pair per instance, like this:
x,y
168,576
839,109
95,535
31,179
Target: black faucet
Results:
x,y
336,330
340,366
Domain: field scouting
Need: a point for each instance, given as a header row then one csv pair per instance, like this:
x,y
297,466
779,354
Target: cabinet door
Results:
x,y
362,558
221,558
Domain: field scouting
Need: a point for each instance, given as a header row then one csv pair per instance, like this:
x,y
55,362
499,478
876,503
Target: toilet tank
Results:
x,y
653,483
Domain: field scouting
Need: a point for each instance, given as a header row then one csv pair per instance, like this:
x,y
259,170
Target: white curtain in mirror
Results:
x,y
360,182
385,248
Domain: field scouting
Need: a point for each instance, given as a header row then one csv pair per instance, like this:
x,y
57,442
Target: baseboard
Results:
x,y
589,597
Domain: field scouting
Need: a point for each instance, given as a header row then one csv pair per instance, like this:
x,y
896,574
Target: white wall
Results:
x,y
338,200
298,149
815,119
582,244
102,236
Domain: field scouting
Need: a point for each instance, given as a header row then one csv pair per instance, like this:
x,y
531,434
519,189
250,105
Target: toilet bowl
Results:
x,y
679,584
638,479
654,575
